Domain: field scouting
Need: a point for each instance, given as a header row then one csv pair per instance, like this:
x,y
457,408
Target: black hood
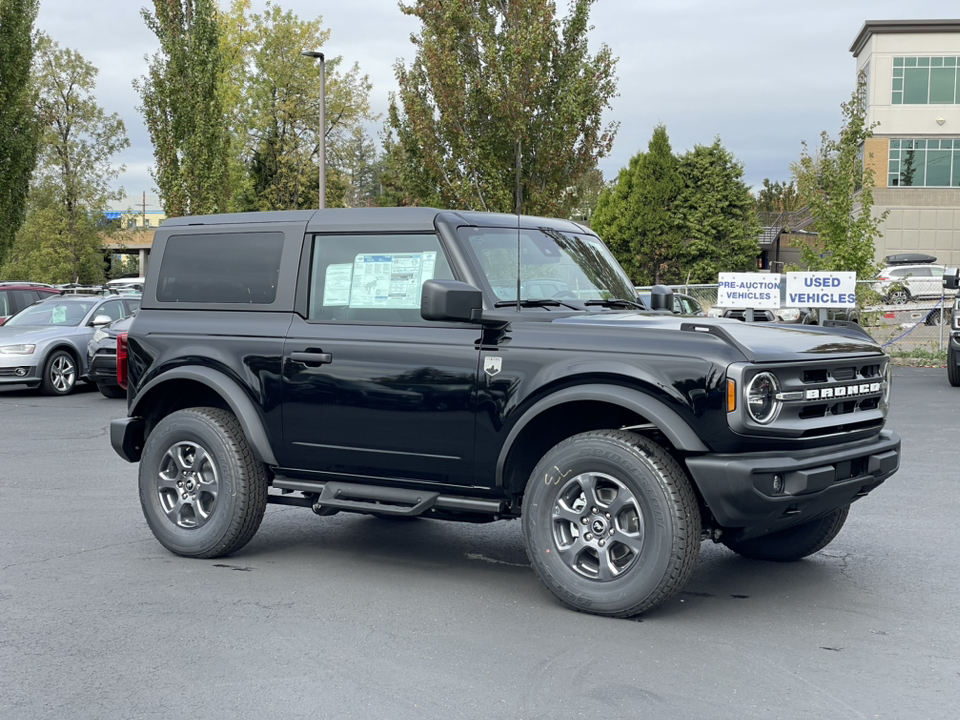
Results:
x,y
757,342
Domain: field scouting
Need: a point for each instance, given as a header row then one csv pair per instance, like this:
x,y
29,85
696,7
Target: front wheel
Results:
x,y
202,491
111,391
953,370
611,523
59,374
793,543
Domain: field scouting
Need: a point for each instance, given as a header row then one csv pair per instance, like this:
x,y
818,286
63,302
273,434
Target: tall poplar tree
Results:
x,y
838,189
61,239
717,214
637,217
502,107
183,107
19,129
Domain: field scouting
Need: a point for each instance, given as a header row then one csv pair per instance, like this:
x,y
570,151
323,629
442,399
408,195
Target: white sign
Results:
x,y
749,290
822,289
390,280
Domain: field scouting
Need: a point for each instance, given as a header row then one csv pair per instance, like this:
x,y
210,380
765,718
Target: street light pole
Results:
x,y
323,121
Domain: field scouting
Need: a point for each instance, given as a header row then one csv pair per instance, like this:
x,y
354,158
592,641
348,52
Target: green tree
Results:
x,y
502,107
716,212
839,192
61,239
637,217
778,197
183,107
19,128
273,99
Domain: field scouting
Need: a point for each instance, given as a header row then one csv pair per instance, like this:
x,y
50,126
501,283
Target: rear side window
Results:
x,y
221,268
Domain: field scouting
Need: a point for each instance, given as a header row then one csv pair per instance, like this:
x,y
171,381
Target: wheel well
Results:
x,y
69,349
557,424
176,395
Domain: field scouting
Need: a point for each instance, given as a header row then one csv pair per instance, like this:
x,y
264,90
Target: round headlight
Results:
x,y
762,403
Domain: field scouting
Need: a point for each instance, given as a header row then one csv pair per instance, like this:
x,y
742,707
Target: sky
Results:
x,y
760,75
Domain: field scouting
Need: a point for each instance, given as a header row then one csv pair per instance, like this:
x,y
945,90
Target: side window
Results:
x,y
5,308
221,268
133,304
23,298
113,309
373,278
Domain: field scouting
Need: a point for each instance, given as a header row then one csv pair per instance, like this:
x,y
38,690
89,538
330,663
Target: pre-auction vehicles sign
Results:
x,y
749,290
821,289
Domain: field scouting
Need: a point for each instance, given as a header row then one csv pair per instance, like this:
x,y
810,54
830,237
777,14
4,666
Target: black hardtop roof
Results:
x,y
403,219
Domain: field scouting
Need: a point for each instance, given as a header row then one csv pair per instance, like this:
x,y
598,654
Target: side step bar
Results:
x,y
353,497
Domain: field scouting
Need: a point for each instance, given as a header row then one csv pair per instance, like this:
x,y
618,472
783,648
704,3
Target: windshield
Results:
x,y
553,265
53,313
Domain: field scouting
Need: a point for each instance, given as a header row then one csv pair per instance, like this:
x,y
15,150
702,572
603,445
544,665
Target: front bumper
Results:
x,y
17,369
103,369
739,489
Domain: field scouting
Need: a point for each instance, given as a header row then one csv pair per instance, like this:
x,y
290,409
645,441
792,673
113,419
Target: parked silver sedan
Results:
x,y
45,344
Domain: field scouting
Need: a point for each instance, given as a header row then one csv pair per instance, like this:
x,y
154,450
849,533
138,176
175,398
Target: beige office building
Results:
x,y
912,74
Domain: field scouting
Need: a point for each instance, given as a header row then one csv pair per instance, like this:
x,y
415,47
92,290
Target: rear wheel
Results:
x,y
898,296
111,391
611,523
59,374
202,491
793,543
953,371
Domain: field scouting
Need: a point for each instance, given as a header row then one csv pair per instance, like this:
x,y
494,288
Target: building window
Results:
x,y
926,81
924,163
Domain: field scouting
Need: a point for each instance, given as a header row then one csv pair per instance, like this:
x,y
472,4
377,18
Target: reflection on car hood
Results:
x,y
37,333
761,342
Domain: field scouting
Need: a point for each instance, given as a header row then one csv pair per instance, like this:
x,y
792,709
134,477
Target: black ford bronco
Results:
x,y
477,367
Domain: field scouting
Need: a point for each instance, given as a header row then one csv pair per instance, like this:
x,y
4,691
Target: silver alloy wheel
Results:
x,y
63,373
598,526
188,485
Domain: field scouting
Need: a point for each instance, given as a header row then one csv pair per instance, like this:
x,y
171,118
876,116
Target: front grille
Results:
x,y
820,398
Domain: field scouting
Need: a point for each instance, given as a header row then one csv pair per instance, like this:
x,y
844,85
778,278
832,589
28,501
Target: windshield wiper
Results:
x,y
615,302
541,302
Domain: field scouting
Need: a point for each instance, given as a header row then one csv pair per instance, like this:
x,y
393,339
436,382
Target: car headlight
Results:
x,y
99,335
789,314
762,403
17,349
715,312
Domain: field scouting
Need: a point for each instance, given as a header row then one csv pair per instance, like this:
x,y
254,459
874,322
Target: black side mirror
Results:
x,y
661,298
450,300
951,278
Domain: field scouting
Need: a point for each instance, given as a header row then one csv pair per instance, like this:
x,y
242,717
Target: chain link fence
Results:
x,y
913,326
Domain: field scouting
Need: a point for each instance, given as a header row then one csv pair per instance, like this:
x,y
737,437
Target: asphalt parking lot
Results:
x,y
355,617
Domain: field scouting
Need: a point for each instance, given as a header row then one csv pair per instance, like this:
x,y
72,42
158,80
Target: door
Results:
x,y
370,389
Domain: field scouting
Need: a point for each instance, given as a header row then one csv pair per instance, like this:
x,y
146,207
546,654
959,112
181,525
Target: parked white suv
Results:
x,y
900,282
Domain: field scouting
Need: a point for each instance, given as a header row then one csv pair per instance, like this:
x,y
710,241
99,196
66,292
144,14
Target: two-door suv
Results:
x,y
360,360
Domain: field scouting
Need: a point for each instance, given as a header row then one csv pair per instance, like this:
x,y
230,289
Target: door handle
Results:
x,y
312,358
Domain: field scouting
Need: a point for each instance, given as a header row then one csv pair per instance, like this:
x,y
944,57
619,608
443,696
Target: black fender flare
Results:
x,y
240,404
667,420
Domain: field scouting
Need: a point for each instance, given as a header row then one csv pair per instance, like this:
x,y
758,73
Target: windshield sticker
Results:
x,y
58,315
390,281
336,284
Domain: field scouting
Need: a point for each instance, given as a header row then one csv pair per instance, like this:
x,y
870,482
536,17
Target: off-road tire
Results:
x,y
224,520
652,494
793,543
111,391
953,370
60,374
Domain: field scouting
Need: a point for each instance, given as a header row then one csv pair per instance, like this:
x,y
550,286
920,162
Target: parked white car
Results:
x,y
899,284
